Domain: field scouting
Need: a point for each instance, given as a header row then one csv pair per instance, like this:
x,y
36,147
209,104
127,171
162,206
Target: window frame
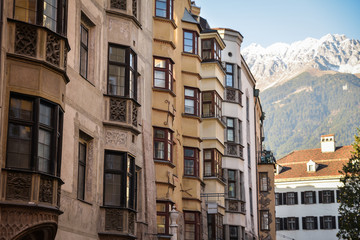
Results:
x,y
215,109
82,164
327,222
215,50
326,196
86,49
309,223
264,187
165,214
194,159
55,129
292,223
194,44
127,174
168,70
168,142
130,88
215,162
215,225
232,129
196,222
60,18
168,10
232,181
229,74
195,99
264,220
236,236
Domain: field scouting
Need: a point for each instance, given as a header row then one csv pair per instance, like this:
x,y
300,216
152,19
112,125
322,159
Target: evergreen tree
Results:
x,y
349,209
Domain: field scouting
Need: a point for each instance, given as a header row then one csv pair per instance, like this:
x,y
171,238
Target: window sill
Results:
x,y
193,55
157,89
164,162
161,19
126,98
34,172
118,207
186,115
83,201
124,15
166,236
87,80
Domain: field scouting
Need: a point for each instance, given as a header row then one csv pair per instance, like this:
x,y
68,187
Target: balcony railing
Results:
x,y
235,205
234,150
267,157
117,222
233,95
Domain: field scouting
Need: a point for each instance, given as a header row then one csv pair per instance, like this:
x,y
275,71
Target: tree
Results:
x,y
349,209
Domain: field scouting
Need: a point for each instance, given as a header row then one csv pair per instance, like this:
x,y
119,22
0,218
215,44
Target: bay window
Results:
x,y
163,144
231,184
34,135
210,50
211,104
48,13
230,130
229,75
212,163
190,42
163,209
192,225
164,9
263,181
119,180
122,71
163,73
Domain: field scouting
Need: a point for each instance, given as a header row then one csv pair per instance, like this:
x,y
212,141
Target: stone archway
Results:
x,y
38,232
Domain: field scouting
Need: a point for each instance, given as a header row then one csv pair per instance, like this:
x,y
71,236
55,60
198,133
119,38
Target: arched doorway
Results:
x,y
38,232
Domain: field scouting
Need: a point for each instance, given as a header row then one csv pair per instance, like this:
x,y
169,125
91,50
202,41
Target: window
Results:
x,y
191,161
292,223
211,104
119,180
215,226
163,144
164,9
229,75
48,13
84,37
290,198
162,218
34,135
309,223
308,197
278,199
190,42
192,225
122,72
231,183
118,4
210,50
163,73
264,220
192,101
327,222
247,109
326,196
81,170
212,163
249,155
251,202
230,130
263,181
278,224
234,232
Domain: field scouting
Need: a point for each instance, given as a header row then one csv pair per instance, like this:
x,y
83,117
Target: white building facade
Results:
x,y
306,191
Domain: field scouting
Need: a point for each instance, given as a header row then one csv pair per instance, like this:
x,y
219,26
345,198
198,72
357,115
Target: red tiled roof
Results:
x,y
329,164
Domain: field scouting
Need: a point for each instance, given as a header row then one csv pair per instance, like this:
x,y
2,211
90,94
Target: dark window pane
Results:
x,y
19,146
21,109
113,184
44,161
117,54
81,182
189,152
114,162
116,80
45,115
189,167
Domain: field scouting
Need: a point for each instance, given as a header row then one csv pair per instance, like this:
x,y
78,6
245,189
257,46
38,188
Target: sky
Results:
x,y
269,21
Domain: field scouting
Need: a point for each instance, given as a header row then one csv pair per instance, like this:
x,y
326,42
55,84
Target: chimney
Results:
x,y
328,143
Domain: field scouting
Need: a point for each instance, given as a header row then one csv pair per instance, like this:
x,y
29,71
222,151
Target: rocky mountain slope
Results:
x,y
280,62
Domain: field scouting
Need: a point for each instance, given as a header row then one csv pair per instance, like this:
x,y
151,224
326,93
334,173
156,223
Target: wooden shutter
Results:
x,y
284,198
338,196
314,196
339,221
281,224
321,222
280,199
333,224
304,220
320,196
296,197
303,200
285,224
332,200
297,223
315,223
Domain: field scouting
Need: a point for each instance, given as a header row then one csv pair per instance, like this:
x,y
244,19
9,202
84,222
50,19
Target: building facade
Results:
x,y
306,187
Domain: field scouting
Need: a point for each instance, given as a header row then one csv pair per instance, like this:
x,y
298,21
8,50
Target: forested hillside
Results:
x,y
300,110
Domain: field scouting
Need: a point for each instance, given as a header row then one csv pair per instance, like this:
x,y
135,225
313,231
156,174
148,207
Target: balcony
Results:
x,y
29,203
234,150
235,205
117,223
267,157
233,95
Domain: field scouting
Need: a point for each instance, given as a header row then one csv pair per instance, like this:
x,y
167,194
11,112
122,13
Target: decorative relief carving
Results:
x,y
134,115
119,4
118,110
264,202
114,137
233,206
46,190
114,219
58,196
231,149
65,58
18,186
230,94
53,49
134,8
131,222
25,39
15,220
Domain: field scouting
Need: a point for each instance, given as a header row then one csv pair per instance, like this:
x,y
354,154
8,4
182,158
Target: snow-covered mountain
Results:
x,y
280,61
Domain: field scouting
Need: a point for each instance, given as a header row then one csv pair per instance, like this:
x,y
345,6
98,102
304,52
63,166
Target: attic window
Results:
x,y
311,166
